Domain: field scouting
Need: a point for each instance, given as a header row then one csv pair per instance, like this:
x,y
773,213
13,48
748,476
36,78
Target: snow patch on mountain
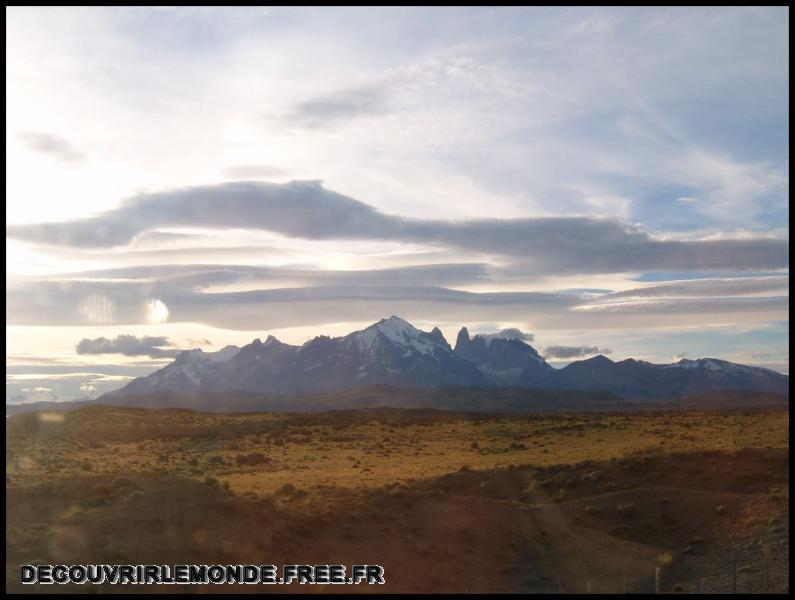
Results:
x,y
399,332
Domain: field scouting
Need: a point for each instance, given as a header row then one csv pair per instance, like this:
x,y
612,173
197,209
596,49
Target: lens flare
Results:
x,y
156,312
97,309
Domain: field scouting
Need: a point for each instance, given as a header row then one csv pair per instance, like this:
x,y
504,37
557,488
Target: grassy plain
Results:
x,y
444,501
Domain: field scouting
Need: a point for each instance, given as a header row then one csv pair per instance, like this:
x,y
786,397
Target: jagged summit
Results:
x,y
271,340
439,336
197,354
507,360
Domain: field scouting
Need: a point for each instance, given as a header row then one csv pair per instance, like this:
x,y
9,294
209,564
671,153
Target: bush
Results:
x,y
121,482
255,458
288,489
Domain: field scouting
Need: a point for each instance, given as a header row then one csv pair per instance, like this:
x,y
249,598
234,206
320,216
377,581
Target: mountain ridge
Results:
x,y
395,353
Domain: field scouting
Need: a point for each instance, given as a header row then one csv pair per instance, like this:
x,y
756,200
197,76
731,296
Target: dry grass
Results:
x,y
446,502
260,453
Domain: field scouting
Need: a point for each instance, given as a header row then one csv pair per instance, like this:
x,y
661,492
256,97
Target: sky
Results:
x,y
605,180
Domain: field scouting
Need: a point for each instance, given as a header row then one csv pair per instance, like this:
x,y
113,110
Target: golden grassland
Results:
x,y
259,453
446,502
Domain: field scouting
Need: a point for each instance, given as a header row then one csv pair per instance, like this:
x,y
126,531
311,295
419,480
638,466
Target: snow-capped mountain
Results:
x,y
505,360
394,352
637,379
258,367
391,352
185,374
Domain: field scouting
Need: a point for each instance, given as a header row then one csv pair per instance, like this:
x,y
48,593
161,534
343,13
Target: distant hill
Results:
x,y
14,409
493,400
642,380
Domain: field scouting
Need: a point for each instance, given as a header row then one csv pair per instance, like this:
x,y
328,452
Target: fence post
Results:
x,y
588,587
657,572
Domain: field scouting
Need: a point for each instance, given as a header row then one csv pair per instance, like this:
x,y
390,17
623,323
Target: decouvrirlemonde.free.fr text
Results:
x,y
201,574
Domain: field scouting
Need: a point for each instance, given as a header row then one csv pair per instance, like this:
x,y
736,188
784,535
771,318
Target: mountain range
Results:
x,y
394,353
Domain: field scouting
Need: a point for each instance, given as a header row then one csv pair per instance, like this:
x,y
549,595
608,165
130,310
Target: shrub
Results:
x,y
288,489
255,458
121,482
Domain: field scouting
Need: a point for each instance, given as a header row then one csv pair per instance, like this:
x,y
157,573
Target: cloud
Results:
x,y
53,145
694,306
58,303
339,106
159,238
35,394
253,171
128,345
198,276
768,355
89,389
98,370
54,388
706,287
573,351
304,209
508,334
